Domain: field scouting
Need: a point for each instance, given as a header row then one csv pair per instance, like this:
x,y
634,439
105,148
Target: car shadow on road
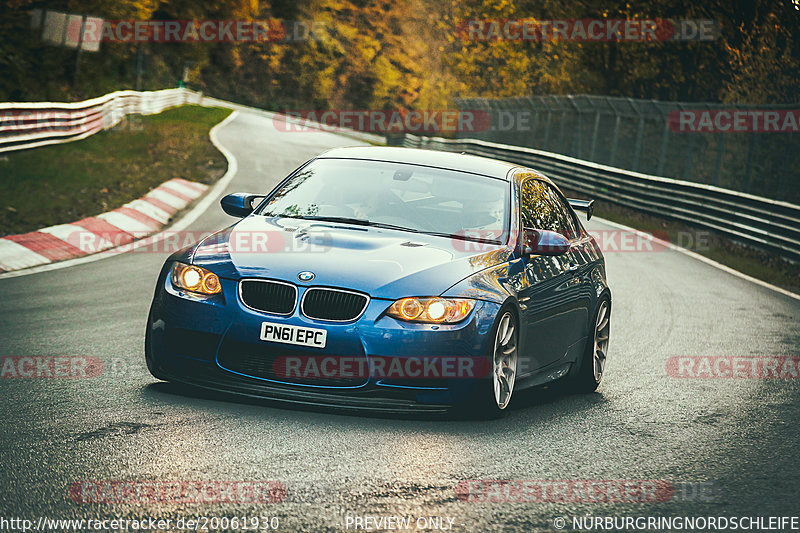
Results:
x,y
528,406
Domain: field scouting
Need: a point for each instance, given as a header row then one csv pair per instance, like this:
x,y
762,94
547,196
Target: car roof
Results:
x,y
432,158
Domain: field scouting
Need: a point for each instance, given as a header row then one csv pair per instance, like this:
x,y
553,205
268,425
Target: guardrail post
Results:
x,y
575,145
561,132
497,113
662,156
637,150
595,132
77,72
546,140
751,148
615,142
718,162
687,168
139,65
535,128
523,133
780,191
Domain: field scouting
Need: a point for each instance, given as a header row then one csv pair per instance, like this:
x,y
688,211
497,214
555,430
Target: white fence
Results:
x,y
31,124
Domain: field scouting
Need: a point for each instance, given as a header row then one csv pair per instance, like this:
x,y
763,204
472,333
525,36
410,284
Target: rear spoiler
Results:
x,y
582,205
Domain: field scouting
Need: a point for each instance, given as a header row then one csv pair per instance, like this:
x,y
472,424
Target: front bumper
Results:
x,y
214,342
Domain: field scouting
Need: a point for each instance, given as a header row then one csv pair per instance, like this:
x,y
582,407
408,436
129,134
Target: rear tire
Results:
x,y
586,374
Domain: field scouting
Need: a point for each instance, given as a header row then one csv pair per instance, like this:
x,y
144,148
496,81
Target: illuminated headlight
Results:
x,y
194,279
431,310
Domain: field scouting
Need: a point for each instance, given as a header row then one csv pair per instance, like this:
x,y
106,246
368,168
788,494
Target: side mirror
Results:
x,y
240,204
544,242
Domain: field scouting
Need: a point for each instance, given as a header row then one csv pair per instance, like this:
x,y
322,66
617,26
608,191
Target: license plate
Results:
x,y
299,336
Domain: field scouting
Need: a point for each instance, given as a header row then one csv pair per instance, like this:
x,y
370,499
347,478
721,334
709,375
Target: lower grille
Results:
x,y
268,296
287,364
191,343
333,304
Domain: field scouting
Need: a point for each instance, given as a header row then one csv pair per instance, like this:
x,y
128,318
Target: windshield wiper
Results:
x,y
373,224
350,220
345,220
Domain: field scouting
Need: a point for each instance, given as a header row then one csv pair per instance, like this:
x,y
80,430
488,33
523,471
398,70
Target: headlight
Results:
x,y
194,279
436,310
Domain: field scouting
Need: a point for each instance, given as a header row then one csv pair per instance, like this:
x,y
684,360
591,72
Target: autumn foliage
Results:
x,y
408,54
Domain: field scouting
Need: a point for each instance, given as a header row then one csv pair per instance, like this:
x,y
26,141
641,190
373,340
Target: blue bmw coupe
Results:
x,y
390,279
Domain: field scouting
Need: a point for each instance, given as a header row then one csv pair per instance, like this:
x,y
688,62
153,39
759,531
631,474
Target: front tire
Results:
x,y
152,365
494,393
586,374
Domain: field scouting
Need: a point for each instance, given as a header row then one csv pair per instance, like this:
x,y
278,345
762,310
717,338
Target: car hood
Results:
x,y
381,262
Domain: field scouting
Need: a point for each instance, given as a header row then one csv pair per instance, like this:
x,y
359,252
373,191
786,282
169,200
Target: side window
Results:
x,y
566,222
538,209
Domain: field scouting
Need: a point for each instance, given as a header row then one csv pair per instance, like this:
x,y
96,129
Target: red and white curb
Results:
x,y
130,222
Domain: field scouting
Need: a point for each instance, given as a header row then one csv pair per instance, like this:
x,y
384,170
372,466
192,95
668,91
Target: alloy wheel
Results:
x,y
504,360
601,331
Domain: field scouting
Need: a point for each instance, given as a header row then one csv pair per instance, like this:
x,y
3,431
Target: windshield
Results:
x,y
412,197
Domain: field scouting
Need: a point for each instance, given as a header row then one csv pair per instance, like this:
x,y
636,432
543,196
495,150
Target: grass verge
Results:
x,y
63,183
753,262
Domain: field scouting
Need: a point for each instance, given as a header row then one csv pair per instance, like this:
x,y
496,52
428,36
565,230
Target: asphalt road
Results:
x,y
734,441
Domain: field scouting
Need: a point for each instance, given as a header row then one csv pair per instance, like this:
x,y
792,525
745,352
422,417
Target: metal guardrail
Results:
x,y
32,124
648,136
761,222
